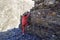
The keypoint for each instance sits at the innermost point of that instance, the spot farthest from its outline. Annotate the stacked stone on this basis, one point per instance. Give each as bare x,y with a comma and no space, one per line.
45,19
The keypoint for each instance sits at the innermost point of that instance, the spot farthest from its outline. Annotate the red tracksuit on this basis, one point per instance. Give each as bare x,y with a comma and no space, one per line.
24,22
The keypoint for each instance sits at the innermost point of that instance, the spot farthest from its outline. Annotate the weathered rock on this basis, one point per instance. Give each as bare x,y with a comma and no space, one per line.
16,34
10,11
45,20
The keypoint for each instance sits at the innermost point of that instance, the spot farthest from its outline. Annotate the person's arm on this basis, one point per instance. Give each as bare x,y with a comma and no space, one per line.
28,14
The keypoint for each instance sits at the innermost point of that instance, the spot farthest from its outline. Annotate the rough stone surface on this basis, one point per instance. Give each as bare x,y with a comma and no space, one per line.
10,11
45,20
16,34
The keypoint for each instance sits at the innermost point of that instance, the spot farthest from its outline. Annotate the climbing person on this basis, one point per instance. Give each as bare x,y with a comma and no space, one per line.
25,21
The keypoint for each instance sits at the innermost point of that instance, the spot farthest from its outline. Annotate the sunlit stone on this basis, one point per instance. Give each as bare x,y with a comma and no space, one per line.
10,11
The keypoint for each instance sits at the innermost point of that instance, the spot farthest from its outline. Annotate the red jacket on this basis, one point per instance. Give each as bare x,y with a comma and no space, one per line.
24,22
